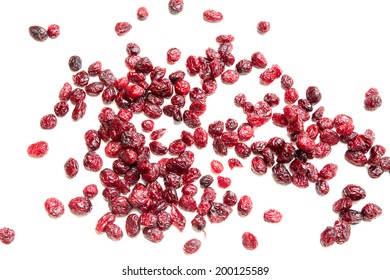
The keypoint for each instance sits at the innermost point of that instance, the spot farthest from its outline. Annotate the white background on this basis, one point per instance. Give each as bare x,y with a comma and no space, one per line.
339,46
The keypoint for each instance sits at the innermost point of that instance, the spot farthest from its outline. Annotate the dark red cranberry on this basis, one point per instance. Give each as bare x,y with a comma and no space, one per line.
92,161
175,6
231,124
48,121
187,203
240,99
354,192
95,68
173,55
191,119
198,222
79,111
272,99
218,212
121,28
351,216
258,165
80,205
75,63
244,67
192,246
215,129
372,100
108,177
286,81
356,157
154,235
90,191
220,147
54,207
313,94
206,181
249,241
263,27
329,171
38,33
164,220
177,147
53,31
120,206
132,225
233,162
272,216
104,221
371,211
281,174
342,231
344,203
71,167
322,187
328,237
244,206
114,232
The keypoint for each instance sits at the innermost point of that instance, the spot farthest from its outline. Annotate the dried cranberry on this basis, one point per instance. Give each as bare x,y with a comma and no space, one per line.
328,237
192,246
38,33
142,13
48,121
281,174
354,192
104,221
206,181
258,60
258,165
263,27
233,162
372,100
178,220
191,119
329,171
223,182
351,216
75,63
71,167
176,147
216,166
198,223
344,203
249,241
38,149
173,55
164,220
342,231
200,138
175,6
7,235
272,216
272,99
90,191
79,111
121,28
80,205
218,212
230,77
114,232
54,207
95,68
290,95
244,67
322,187
371,211
212,16
108,177
53,31
286,81
313,94
92,161
187,203
355,157
154,235
244,206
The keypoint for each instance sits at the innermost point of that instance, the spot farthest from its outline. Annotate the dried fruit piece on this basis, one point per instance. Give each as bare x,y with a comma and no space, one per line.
175,6
372,100
249,241
192,246
223,182
272,216
354,192
216,166
75,63
212,16
218,212
114,232
173,55
351,216
38,33
121,28
38,149
328,237
53,31
342,231
371,211
154,235
244,206
263,27
71,167
7,235
80,205
142,13
54,207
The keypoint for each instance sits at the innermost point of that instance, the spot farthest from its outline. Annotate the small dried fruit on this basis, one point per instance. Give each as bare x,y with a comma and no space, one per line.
192,246
249,241
272,216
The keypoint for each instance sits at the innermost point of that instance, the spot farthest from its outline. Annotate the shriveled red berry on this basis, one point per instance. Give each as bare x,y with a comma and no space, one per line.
322,187
342,231
249,241
175,6
114,232
258,165
75,63
80,205
192,246
198,222
329,171
233,163
372,100
38,33
173,55
354,192
142,13
230,77
328,237
153,234
216,166
71,167
54,207
244,206
244,66
272,216
158,133
212,16
121,28
53,31
259,60
344,203
38,149
313,94
351,216
132,225
48,121
371,211
92,161
90,191
218,212
223,182
7,235
263,27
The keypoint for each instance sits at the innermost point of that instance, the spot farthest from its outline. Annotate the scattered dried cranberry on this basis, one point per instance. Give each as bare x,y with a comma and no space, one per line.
212,16
223,182
351,216
53,31
154,235
344,203
244,206
263,27
75,63
38,33
90,191
372,100
354,192
342,231
249,241
121,28
38,149
192,246
216,166
272,216
218,212
54,207
7,235
329,171
173,55
258,60
80,205
230,77
142,13
328,237
198,222
48,121
71,167
371,211
175,6
114,232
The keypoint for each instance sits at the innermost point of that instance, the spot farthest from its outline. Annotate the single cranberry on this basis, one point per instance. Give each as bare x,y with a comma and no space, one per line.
329,171
313,94
54,207
351,216
94,69
200,138
90,191
38,149
206,181
258,60
173,55
80,205
233,163
230,77
198,223
286,81
142,13
244,67
272,216
328,237
121,28
216,166
371,211
322,187
7,235
92,161
192,246
344,203
223,182
272,99
372,100
71,167
48,121
75,63
53,31
120,206
342,231
175,6
212,16
38,33
249,241
218,212
290,95
263,27
354,192
114,232
79,111
244,206
281,174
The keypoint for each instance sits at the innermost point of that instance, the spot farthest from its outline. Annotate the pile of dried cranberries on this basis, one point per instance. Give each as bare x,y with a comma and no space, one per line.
152,195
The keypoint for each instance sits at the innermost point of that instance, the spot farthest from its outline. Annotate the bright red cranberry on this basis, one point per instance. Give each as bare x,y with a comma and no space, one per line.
38,149
212,16
173,55
258,60
132,225
92,161
244,206
175,6
344,203
216,166
329,171
75,63
233,163
342,231
290,95
53,31
121,28
263,27
322,187
371,211
328,237
142,13
79,111
258,165
7,235
286,81
90,191
200,138
356,158
270,74
372,100
38,33
114,232
187,203
95,68
272,216
104,221
178,220
224,39
198,223
223,182
71,167
54,207
157,134
80,205
218,212
230,77
48,121
192,246
249,241
191,119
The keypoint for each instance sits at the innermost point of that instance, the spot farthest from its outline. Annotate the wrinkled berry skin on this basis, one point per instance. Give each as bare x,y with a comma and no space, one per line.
7,235
328,237
371,211
38,33
80,205
244,206
272,216
192,246
212,16
175,6
249,241
38,149
54,207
